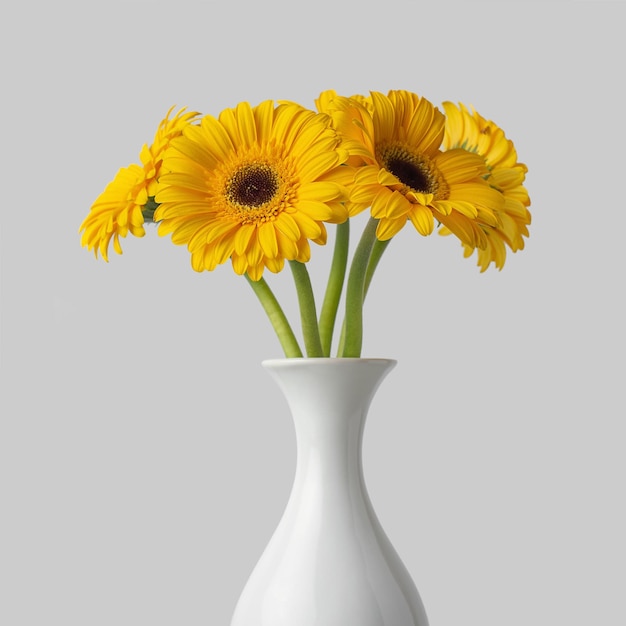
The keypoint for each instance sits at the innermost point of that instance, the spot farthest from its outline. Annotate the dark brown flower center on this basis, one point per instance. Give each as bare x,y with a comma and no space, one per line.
410,174
252,185
411,170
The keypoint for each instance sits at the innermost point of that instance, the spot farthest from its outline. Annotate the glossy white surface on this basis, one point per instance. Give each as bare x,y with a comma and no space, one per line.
329,562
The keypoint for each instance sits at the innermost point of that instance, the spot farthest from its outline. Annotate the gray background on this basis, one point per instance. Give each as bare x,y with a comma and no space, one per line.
145,456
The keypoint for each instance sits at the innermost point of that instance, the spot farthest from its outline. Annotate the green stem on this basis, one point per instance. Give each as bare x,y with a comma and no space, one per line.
352,340
377,252
336,279
342,339
308,314
276,316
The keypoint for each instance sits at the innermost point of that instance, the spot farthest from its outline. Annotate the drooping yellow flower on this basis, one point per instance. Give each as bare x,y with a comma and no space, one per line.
470,131
119,208
253,185
404,175
352,119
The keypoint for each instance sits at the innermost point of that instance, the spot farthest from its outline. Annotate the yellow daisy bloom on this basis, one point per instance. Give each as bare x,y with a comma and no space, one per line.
253,185
119,208
404,174
470,131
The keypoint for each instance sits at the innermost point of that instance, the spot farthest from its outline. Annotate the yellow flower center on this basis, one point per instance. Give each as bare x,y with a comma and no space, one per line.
416,172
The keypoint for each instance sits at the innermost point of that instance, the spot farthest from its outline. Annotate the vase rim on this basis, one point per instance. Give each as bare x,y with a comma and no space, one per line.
281,362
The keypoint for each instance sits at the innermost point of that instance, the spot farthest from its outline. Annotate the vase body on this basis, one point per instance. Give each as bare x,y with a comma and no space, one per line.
329,562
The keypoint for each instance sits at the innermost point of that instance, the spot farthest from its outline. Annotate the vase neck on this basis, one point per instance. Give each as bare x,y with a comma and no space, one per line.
329,400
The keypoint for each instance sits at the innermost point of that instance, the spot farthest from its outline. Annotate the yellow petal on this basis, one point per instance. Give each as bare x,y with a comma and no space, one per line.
218,229
254,253
219,141
317,165
183,232
364,193
426,129
397,206
242,239
116,244
193,145
308,226
247,126
286,225
304,251
379,202
239,263
255,272
386,229
287,247
275,265
288,121
422,218
264,117
229,123
385,177
267,239
223,248
321,191
384,115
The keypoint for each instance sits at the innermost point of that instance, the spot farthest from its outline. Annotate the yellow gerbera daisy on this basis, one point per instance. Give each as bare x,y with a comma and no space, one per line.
119,208
253,185
470,131
404,175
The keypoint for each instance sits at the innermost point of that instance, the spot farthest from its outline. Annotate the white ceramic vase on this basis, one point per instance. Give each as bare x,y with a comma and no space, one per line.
329,562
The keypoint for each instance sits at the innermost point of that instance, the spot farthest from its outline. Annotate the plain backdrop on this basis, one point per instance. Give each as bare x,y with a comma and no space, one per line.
146,456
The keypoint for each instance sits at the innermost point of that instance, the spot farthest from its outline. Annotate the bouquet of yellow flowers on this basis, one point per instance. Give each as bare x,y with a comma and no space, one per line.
257,184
